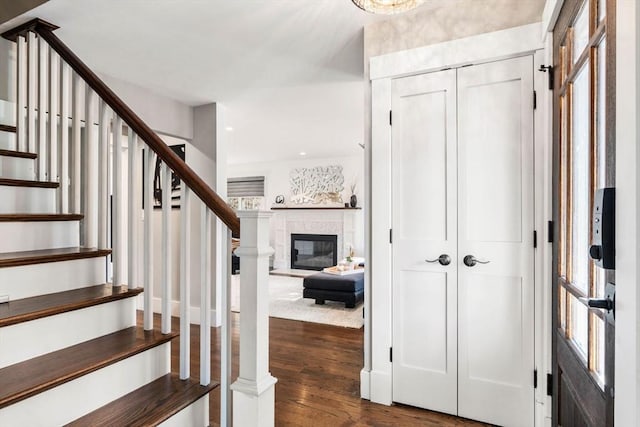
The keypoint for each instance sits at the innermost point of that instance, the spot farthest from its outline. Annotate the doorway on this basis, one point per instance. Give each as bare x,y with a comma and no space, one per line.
463,247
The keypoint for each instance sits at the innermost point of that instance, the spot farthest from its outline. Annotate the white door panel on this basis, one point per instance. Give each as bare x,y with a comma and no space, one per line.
424,224
495,224
462,184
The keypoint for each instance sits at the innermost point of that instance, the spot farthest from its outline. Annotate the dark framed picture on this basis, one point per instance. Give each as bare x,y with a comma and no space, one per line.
157,181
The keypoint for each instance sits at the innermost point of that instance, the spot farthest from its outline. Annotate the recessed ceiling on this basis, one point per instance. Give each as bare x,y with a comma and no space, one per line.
290,72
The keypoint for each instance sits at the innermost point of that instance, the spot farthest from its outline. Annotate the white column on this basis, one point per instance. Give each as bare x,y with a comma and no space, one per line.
254,391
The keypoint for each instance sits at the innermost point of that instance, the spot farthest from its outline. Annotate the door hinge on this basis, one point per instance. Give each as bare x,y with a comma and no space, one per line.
535,100
535,239
549,384
535,378
390,118
550,232
391,235
548,69
390,354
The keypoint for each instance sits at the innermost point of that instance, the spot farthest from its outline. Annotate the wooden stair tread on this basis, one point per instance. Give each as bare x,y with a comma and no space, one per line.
21,154
27,309
39,217
33,376
28,183
8,128
149,405
14,259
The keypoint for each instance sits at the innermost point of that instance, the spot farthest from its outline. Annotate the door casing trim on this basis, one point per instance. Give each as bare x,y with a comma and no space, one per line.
489,47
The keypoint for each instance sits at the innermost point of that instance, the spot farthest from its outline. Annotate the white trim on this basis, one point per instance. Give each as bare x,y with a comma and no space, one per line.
550,15
519,41
486,47
365,383
627,339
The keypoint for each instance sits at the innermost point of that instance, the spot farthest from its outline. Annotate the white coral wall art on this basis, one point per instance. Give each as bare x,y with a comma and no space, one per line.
319,185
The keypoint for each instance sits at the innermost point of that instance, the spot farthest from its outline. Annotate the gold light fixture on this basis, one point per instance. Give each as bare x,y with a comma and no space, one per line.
387,7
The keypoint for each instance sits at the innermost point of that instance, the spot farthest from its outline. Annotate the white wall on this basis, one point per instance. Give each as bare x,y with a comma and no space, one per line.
162,114
276,175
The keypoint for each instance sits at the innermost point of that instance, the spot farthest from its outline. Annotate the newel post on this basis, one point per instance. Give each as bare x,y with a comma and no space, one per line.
254,390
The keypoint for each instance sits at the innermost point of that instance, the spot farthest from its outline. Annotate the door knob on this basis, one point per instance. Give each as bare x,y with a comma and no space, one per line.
470,261
443,259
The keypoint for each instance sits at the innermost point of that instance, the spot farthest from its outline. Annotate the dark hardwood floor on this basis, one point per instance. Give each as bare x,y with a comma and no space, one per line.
318,371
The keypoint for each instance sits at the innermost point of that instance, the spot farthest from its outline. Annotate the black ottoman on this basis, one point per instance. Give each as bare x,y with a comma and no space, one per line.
348,289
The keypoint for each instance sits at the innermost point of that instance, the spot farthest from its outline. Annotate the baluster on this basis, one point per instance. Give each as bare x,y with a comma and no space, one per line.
103,175
76,140
225,338
166,249
32,91
65,92
22,76
43,152
54,100
116,242
90,169
205,297
133,209
149,174
185,279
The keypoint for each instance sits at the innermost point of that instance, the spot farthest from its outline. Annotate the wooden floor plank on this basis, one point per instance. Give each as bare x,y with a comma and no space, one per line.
13,259
318,371
25,379
27,309
149,405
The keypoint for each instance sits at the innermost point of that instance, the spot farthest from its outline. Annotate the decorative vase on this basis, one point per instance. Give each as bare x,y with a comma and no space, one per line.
353,201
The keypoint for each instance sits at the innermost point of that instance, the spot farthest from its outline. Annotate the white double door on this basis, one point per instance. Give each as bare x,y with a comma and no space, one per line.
462,171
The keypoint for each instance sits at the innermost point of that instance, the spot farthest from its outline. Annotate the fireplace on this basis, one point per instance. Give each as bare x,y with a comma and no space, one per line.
313,251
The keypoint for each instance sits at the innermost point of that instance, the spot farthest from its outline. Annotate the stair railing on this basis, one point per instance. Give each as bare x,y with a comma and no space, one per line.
55,86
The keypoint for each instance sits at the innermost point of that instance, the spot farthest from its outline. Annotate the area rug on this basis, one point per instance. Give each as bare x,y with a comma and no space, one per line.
286,302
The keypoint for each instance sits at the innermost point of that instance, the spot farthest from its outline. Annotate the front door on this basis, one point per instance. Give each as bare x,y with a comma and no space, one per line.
584,147
462,173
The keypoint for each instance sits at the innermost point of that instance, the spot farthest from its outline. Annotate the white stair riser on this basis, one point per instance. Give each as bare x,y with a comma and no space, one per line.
76,398
7,141
194,415
17,167
31,339
27,200
31,236
38,279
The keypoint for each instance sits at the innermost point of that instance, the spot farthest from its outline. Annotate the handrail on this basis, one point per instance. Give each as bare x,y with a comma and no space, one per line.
179,167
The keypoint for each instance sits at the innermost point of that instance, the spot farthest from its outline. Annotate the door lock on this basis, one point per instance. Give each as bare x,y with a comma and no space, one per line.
443,259
470,261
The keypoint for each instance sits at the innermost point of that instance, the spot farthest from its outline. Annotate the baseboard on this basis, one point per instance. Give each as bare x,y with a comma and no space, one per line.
365,384
381,388
194,312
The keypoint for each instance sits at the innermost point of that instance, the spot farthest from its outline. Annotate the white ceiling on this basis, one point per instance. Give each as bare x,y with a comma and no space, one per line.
290,72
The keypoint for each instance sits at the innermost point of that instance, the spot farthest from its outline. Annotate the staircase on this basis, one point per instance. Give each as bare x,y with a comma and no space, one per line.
71,350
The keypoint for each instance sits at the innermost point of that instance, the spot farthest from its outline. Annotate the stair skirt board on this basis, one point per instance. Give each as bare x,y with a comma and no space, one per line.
78,397
28,236
38,279
17,167
27,199
35,338
194,415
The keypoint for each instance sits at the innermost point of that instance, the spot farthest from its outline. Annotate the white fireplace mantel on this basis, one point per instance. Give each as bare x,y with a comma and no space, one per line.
347,224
